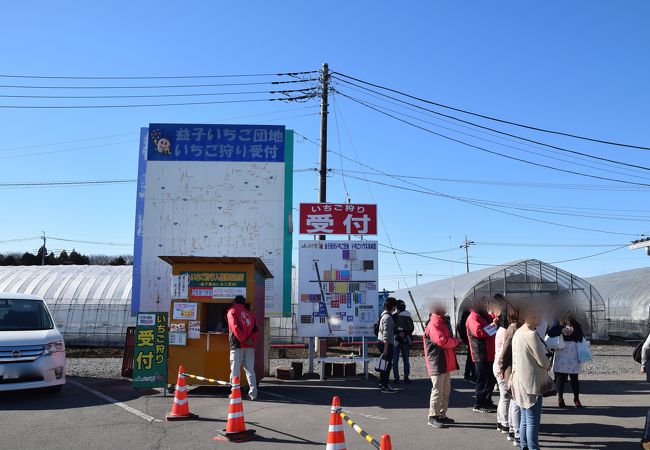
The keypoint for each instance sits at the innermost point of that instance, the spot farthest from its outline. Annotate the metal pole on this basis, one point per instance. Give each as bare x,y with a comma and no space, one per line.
43,256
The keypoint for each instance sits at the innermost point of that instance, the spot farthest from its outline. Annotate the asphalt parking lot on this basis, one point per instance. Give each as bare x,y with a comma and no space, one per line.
108,414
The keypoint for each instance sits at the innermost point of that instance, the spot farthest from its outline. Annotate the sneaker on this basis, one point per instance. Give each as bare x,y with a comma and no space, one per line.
396,381
387,390
447,420
561,404
435,423
253,397
481,410
407,380
578,404
510,436
502,428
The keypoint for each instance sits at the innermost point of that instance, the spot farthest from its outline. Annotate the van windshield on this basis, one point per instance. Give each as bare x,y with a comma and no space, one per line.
17,315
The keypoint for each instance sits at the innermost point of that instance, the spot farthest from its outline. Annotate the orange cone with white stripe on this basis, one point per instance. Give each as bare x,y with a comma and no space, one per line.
181,406
236,425
335,435
386,443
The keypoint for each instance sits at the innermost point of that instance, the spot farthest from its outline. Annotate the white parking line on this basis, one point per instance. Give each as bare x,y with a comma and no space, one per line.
109,399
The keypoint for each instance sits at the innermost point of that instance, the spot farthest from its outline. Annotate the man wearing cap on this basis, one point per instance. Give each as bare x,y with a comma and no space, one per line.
243,332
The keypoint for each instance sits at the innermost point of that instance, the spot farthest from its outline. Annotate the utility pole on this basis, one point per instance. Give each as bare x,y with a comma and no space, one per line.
417,275
43,255
322,192
322,187
466,245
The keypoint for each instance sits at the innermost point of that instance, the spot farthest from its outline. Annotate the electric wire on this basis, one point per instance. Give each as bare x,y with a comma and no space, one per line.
149,105
156,86
543,130
492,151
596,187
584,156
196,94
155,77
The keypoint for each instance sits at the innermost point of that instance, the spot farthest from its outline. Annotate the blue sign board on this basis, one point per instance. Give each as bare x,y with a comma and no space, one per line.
201,142
139,222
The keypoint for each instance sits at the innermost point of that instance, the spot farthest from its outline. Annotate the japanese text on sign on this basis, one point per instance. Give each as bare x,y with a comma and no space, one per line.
188,142
150,352
344,218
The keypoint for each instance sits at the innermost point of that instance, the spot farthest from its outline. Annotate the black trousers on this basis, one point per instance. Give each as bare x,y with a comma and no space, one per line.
470,371
385,375
560,381
485,382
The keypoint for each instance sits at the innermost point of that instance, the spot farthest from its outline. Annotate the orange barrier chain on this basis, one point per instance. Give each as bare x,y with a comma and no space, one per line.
209,380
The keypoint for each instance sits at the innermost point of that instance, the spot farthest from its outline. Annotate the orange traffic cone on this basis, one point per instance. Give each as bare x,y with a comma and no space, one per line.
385,443
335,435
181,406
236,425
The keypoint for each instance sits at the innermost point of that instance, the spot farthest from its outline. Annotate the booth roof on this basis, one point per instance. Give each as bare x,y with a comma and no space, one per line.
257,262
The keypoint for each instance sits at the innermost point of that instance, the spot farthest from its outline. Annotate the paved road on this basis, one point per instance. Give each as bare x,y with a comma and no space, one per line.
294,415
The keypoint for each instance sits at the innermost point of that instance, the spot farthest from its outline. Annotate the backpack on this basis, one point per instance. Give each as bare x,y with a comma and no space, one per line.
375,328
636,354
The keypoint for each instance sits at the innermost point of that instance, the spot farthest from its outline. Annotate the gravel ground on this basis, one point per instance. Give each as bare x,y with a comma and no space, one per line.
608,360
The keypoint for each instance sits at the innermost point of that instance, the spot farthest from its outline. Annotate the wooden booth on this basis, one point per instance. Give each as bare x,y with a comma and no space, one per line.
203,289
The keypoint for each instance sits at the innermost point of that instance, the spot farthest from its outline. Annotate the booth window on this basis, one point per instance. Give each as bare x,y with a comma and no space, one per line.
214,317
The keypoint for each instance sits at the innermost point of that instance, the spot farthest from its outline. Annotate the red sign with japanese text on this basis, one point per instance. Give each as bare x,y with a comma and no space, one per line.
338,218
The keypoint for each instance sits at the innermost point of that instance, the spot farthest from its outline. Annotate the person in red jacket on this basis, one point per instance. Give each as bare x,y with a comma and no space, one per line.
481,346
440,357
243,332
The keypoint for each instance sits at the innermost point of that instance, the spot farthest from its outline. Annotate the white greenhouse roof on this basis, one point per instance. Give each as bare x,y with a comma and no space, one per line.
70,284
627,293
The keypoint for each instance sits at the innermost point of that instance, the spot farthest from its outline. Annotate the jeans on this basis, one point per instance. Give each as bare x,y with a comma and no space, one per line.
485,382
404,348
503,408
514,414
529,426
245,357
385,375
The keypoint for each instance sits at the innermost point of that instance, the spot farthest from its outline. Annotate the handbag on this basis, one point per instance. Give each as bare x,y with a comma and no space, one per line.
555,342
548,388
584,351
380,364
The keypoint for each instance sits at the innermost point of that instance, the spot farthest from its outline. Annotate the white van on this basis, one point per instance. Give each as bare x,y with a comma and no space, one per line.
32,351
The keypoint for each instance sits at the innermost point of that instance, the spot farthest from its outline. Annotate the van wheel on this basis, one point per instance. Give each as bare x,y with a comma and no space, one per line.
54,389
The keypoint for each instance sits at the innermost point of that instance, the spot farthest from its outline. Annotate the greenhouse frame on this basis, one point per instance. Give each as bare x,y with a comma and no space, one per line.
527,283
91,305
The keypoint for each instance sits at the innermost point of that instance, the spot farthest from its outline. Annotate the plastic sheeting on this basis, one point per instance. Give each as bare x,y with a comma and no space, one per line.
91,305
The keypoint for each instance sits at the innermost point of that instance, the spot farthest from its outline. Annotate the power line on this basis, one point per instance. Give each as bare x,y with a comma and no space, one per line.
582,156
117,244
543,130
49,144
152,105
28,184
66,150
156,86
198,94
596,187
58,77
491,151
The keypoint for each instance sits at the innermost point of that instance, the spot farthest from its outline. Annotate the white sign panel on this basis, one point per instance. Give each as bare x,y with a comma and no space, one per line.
214,208
184,311
228,292
337,288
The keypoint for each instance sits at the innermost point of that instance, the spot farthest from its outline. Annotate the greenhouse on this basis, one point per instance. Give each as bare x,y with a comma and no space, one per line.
91,305
627,300
525,284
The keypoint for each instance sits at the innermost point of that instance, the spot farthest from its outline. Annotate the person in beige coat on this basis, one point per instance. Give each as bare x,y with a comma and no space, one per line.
530,367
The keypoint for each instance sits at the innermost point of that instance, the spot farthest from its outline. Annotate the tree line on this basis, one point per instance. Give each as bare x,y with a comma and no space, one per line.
64,258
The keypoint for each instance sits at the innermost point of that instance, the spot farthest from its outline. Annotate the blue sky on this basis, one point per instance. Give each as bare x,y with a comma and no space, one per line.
580,67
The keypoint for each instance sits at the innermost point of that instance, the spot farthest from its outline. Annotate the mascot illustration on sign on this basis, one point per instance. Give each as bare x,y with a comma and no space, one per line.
163,144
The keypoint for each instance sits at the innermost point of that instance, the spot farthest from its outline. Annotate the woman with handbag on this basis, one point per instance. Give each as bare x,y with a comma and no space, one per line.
529,375
565,361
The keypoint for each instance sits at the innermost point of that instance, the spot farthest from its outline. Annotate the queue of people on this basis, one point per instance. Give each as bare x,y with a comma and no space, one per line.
507,349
